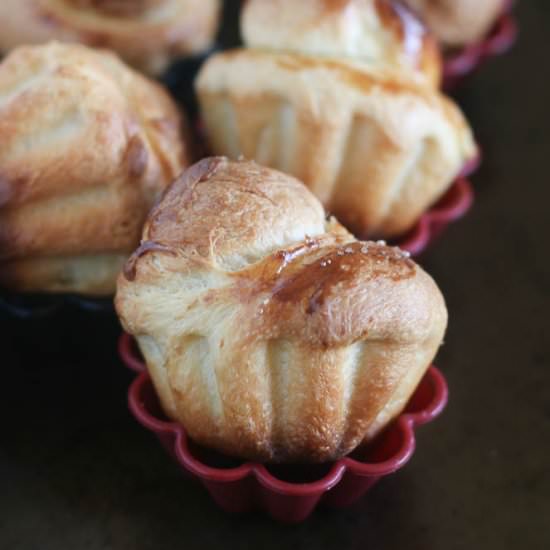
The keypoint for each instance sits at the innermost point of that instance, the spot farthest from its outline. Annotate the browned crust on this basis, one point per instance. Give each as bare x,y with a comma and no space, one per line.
396,37
87,146
271,333
148,34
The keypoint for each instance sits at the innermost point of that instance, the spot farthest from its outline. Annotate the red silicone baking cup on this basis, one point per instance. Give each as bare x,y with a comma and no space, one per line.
286,493
499,40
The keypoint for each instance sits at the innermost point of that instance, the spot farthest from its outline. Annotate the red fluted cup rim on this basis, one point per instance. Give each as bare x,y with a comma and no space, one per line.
428,401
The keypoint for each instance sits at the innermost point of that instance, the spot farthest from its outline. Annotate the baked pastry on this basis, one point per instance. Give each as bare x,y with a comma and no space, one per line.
380,32
270,332
457,23
375,141
87,146
148,34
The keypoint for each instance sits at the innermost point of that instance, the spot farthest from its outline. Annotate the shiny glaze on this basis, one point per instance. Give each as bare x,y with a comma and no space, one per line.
418,45
313,271
315,282
408,29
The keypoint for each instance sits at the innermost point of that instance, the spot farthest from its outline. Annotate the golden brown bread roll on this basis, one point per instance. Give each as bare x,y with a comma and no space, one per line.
376,31
375,141
458,22
87,145
270,332
148,34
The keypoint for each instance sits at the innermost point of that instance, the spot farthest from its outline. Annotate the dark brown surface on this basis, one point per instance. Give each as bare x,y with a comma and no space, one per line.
76,472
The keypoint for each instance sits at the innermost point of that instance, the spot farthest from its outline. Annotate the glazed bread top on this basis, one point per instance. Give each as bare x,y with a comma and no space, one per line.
274,256
269,331
458,22
373,31
79,128
148,34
